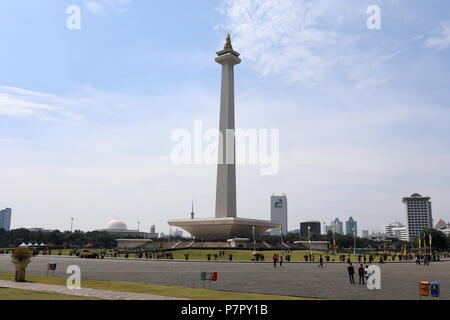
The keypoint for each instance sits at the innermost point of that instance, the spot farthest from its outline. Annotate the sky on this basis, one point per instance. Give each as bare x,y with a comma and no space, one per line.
87,115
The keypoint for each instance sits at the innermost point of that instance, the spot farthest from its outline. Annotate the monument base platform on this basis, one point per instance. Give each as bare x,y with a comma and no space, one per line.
222,229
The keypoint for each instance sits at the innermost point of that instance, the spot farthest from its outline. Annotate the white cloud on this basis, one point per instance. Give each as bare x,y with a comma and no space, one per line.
103,6
20,102
441,38
299,39
313,42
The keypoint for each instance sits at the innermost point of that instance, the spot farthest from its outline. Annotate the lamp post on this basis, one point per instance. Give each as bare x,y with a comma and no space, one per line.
71,232
354,241
334,239
254,240
309,240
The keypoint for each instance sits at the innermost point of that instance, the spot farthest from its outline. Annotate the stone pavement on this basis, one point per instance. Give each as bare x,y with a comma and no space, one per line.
399,281
84,292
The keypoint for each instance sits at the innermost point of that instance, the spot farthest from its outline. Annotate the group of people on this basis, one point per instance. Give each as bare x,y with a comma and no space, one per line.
364,273
277,258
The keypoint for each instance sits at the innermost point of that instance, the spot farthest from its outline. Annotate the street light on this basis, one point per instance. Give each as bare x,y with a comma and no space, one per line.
71,232
354,241
309,240
254,240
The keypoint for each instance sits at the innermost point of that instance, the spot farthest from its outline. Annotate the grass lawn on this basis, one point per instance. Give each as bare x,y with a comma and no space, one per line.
160,290
17,294
238,255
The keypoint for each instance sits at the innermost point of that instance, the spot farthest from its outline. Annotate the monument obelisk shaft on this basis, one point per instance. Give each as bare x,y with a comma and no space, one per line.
226,167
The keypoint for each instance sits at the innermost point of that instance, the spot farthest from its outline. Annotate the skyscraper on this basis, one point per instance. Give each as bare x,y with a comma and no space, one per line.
351,224
5,219
278,213
314,228
418,215
336,226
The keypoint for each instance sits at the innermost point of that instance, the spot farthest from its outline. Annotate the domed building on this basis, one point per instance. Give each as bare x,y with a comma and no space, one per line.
118,227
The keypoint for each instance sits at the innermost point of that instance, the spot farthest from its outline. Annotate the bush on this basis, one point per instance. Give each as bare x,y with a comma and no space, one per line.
21,254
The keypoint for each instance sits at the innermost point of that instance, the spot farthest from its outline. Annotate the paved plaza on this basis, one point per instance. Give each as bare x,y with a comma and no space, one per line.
398,280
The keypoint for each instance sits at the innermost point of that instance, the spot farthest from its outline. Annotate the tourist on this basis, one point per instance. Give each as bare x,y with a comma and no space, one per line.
321,262
351,273
361,273
367,272
275,259
281,261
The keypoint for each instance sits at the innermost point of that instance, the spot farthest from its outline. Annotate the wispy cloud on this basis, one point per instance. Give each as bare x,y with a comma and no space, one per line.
21,102
313,42
441,38
103,6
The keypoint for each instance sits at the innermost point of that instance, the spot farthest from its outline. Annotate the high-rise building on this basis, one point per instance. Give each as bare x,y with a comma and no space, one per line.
313,225
418,215
365,234
351,227
337,225
278,213
5,219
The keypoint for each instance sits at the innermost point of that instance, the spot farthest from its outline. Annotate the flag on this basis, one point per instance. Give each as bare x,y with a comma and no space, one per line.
430,239
420,242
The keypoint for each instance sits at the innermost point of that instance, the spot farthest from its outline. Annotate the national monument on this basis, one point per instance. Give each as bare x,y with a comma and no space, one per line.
226,225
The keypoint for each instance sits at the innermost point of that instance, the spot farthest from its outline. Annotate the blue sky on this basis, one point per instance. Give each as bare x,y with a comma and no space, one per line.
86,115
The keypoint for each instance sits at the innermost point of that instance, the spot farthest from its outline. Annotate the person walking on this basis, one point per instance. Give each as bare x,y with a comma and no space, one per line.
275,258
361,274
351,273
281,261
321,262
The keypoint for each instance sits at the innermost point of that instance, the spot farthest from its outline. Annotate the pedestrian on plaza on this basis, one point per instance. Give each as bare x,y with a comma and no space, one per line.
321,262
275,258
351,273
361,273
367,272
281,261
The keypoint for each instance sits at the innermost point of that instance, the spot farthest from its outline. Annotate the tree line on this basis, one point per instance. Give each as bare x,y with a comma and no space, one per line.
439,240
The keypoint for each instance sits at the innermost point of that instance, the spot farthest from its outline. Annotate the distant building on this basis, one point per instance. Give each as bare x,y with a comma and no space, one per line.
388,228
418,215
442,225
380,236
365,234
5,219
351,227
314,225
118,227
177,234
278,213
40,230
337,225
399,233
396,230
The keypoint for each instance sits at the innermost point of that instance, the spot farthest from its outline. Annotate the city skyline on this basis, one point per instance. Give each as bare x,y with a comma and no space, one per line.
86,124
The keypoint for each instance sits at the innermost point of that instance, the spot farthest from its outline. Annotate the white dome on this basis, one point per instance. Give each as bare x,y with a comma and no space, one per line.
116,224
